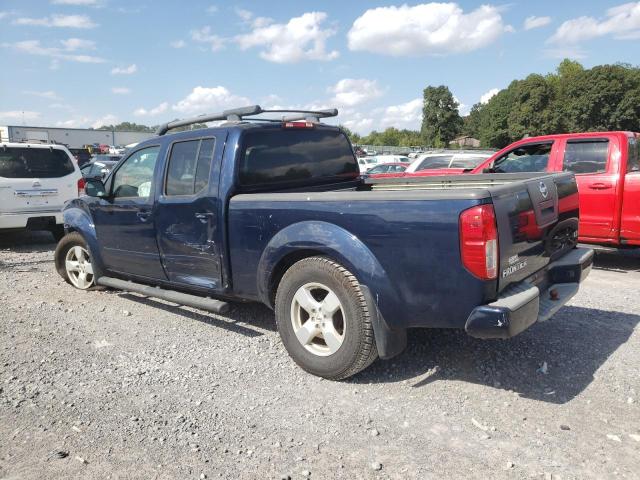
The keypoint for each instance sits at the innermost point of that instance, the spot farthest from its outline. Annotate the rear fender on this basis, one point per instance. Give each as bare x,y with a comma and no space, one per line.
336,243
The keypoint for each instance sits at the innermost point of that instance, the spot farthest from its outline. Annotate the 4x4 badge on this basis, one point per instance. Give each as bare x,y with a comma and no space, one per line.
543,189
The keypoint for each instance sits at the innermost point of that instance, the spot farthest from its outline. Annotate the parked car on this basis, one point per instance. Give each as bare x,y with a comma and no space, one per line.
276,212
607,170
446,163
386,170
98,169
36,180
366,163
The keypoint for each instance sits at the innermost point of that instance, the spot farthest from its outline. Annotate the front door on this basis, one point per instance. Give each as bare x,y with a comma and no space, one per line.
188,229
597,179
125,222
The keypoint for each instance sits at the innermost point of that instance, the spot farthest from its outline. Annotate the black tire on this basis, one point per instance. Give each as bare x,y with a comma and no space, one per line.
73,239
358,349
57,232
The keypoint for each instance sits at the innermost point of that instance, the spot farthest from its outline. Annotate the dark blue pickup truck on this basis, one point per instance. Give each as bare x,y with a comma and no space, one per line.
274,211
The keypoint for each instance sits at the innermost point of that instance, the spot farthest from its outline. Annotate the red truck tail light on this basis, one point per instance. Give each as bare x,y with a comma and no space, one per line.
81,184
479,241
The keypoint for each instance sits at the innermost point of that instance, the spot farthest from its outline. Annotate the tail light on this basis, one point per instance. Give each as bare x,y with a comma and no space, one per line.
479,241
298,125
81,184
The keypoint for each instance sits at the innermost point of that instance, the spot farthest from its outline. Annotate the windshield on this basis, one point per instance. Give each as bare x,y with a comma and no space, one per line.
24,162
295,155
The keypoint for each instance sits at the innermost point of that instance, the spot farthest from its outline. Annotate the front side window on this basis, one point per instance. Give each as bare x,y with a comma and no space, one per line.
25,162
633,163
134,177
379,169
439,161
586,156
527,158
189,166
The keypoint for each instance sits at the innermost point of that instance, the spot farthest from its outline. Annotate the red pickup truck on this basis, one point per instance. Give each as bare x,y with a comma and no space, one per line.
607,170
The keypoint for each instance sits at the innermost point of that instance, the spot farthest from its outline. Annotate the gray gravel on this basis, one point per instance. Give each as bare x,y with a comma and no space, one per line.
87,391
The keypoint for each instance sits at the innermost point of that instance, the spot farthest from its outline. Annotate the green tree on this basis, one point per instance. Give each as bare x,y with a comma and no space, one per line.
441,120
127,127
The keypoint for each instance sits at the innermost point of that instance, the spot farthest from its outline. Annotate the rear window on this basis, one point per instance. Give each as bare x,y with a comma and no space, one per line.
294,156
586,156
23,162
467,162
441,161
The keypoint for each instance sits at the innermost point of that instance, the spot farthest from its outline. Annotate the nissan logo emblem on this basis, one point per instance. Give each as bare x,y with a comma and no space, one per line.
543,189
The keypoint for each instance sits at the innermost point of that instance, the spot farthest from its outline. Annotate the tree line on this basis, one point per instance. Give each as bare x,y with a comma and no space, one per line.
572,99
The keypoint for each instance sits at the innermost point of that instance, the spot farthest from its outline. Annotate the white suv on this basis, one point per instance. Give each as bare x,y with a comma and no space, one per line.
35,182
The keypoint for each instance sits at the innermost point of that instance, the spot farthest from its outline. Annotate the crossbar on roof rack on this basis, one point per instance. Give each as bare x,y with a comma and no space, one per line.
237,115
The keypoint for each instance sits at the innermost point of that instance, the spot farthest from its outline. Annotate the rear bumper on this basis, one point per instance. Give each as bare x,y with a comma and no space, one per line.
524,304
21,220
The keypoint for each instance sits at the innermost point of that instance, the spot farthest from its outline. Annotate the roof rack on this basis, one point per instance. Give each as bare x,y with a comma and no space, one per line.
238,114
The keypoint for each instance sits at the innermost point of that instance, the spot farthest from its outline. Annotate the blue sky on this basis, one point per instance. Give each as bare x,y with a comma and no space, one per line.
81,63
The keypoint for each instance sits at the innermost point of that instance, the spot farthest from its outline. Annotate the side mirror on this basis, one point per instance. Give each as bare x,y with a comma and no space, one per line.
95,188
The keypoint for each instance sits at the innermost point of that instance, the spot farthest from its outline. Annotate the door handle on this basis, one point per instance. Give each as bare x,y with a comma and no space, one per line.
143,215
599,186
204,216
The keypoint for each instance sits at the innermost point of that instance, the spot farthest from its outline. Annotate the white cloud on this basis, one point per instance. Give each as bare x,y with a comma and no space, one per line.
82,3
3,14
178,44
204,35
622,22
61,21
73,44
245,15
404,115
354,91
143,112
121,90
425,29
536,22
573,52
49,94
75,122
34,47
130,70
108,119
484,98
212,9
19,116
302,38
209,100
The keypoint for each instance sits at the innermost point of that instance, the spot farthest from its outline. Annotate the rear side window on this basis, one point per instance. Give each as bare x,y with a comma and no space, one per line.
586,156
527,158
295,155
441,161
633,164
189,166
25,162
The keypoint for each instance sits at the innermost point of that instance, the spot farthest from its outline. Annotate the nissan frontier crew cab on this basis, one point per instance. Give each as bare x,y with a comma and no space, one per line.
273,210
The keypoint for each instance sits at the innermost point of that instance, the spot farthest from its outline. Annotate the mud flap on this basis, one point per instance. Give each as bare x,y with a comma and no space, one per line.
390,342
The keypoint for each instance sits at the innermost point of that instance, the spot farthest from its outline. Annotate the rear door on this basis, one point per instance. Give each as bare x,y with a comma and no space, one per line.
630,225
36,179
595,162
188,228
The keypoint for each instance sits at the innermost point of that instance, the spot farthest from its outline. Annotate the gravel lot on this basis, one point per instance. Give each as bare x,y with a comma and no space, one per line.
124,386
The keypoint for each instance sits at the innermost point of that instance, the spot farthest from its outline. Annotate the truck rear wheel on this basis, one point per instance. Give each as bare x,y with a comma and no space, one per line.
73,261
323,319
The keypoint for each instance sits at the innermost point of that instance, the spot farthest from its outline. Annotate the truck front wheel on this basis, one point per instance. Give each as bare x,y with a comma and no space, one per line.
323,319
73,261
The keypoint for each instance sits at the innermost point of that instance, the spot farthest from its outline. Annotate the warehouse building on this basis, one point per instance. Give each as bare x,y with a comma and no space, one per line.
73,138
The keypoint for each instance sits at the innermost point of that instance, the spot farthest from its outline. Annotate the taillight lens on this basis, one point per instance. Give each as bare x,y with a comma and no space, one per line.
298,125
479,241
81,184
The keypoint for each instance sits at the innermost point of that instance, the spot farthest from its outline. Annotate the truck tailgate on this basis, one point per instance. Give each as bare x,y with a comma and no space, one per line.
537,223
